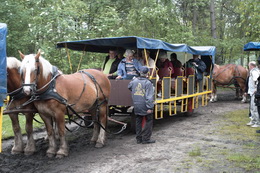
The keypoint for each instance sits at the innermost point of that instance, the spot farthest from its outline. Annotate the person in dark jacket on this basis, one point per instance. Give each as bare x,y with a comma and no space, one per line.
110,64
198,65
142,91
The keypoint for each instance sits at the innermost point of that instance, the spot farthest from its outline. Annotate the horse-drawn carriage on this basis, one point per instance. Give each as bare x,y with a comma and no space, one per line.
177,96
3,79
53,94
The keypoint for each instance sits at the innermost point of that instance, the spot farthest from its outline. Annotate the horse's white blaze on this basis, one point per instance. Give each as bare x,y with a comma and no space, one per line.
27,80
28,66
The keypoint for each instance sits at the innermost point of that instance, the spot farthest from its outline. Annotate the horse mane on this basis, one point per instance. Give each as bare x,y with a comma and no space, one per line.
13,62
29,60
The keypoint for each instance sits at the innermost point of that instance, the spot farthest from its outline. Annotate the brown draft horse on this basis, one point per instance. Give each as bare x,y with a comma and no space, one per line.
79,91
229,74
14,86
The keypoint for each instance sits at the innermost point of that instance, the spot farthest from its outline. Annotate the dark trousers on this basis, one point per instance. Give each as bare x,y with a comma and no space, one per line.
145,133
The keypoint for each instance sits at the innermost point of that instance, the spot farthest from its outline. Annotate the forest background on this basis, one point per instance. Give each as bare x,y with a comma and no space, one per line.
40,24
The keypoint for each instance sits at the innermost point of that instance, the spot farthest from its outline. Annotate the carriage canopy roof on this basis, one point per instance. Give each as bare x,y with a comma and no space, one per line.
103,45
3,77
252,46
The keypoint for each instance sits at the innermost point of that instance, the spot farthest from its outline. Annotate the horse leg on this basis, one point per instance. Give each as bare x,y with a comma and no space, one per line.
63,149
30,145
103,121
237,92
51,135
18,139
213,94
96,129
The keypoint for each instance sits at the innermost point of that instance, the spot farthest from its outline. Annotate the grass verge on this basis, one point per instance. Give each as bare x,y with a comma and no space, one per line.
7,129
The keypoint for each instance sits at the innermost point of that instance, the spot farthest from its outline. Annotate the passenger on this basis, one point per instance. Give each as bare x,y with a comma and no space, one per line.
165,70
150,63
128,67
164,66
110,65
177,66
198,65
120,54
142,91
254,73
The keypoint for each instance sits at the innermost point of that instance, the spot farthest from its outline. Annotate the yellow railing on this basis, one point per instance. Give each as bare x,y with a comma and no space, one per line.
184,98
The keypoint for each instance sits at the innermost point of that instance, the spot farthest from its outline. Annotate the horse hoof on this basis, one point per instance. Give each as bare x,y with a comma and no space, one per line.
15,152
61,153
92,142
99,145
28,153
50,155
59,156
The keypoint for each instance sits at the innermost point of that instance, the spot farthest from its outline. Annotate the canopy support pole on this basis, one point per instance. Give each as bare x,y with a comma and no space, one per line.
83,54
146,58
157,54
68,54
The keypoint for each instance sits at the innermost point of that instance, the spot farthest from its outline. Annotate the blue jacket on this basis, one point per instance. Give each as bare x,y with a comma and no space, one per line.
121,70
142,91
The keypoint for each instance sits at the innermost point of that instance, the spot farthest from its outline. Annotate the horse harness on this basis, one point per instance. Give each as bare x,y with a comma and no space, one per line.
51,93
232,79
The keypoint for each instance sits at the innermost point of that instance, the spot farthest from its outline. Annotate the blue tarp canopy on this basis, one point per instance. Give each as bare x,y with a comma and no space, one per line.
252,46
202,50
103,45
3,76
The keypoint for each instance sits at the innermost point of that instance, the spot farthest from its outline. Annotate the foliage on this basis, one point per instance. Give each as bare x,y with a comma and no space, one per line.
40,24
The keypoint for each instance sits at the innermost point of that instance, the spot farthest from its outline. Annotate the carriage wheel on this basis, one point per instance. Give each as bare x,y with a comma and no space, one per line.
88,121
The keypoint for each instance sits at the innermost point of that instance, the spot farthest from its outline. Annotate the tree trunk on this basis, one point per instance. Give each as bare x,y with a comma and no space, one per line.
195,19
213,19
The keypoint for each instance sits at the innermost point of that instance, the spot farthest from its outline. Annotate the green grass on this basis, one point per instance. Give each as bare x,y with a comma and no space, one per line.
245,161
231,127
7,130
234,126
195,152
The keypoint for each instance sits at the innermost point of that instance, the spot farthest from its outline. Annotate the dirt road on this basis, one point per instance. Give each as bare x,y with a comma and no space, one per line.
183,144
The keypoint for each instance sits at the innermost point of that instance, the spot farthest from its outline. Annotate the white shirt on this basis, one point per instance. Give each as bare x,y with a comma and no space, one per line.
252,82
151,63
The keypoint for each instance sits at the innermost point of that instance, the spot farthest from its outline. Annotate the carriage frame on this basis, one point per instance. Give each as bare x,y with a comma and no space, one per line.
183,98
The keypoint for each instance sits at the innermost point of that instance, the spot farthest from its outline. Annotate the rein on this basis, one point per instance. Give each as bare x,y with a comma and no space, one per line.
231,80
97,106
37,94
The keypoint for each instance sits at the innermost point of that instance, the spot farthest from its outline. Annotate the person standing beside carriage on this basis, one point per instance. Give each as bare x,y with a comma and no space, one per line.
142,91
254,74
110,64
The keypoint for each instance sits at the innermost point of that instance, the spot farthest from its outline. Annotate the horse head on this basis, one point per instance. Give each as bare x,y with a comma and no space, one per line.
35,72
